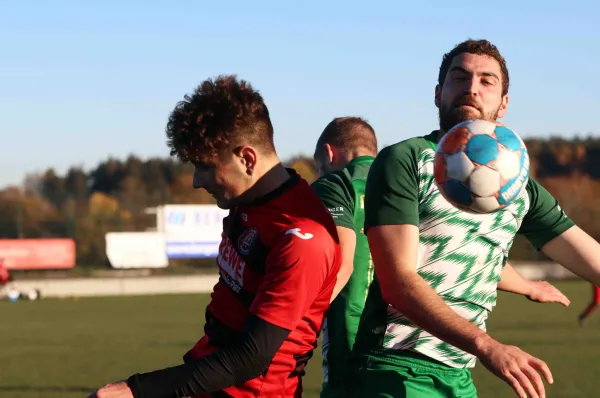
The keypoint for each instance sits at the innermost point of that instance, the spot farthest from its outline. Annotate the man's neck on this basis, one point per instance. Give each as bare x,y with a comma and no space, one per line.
348,157
439,135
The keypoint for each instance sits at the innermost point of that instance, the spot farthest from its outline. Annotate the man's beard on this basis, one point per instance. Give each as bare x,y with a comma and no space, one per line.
452,115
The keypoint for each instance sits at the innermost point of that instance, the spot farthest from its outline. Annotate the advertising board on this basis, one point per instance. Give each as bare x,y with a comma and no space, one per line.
136,250
192,231
29,254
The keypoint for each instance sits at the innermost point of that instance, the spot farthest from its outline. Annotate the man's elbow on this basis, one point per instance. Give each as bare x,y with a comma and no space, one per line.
393,298
397,291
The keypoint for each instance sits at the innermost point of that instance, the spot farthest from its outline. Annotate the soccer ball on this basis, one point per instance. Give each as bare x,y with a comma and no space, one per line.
481,166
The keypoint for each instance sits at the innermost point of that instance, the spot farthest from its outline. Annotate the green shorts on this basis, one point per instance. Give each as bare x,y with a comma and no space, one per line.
407,375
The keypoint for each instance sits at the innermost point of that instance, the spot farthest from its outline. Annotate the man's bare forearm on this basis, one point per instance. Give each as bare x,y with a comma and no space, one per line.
513,282
577,251
422,305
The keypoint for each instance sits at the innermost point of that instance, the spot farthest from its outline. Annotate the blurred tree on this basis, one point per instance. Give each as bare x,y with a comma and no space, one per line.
107,177
103,215
304,166
76,183
28,216
53,188
182,192
114,195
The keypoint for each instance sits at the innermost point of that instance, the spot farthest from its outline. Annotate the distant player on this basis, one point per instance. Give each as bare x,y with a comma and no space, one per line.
344,153
278,259
4,274
437,268
592,306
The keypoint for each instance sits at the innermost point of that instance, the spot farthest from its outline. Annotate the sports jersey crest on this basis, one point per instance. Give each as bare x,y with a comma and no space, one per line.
247,240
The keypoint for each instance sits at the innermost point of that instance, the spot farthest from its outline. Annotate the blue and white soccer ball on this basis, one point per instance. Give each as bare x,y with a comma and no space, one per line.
481,166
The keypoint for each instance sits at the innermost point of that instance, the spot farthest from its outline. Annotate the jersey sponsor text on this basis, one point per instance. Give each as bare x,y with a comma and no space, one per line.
232,264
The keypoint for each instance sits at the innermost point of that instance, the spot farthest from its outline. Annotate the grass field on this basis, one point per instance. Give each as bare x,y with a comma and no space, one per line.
66,348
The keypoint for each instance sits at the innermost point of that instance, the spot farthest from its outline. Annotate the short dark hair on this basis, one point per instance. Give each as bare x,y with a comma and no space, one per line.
348,133
221,114
477,47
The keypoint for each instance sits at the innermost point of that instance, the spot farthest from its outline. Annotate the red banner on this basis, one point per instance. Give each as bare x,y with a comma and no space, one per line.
37,253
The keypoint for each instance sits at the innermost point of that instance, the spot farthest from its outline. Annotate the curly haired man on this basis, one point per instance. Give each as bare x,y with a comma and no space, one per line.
278,259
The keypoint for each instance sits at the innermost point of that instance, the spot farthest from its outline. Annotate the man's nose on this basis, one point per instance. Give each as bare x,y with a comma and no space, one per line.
472,85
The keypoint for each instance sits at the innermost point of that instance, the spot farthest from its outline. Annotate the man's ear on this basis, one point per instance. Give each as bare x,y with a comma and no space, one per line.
438,96
503,107
330,153
247,157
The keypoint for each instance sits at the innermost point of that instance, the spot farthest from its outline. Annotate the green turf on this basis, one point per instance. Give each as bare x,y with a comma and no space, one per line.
65,348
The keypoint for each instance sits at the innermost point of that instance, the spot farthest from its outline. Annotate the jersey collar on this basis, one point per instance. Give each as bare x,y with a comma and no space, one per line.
287,185
361,160
433,138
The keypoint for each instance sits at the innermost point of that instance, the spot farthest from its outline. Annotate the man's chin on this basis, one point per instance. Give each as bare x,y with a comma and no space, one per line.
468,113
223,205
465,114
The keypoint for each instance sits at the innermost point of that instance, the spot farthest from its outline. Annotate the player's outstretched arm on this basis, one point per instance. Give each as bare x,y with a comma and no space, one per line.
550,230
577,251
541,291
241,361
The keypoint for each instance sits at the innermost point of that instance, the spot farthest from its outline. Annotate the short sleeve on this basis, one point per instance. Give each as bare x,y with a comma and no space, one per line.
545,220
298,267
337,197
392,191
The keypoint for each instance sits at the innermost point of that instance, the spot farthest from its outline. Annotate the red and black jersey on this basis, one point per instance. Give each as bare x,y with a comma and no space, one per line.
278,259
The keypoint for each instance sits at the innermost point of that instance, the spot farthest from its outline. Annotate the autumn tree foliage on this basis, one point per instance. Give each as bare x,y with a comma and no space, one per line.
114,196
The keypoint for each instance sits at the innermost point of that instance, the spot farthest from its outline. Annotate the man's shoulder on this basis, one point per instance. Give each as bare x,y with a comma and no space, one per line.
335,177
337,192
308,237
304,208
342,180
413,146
404,156
297,234
336,181
306,229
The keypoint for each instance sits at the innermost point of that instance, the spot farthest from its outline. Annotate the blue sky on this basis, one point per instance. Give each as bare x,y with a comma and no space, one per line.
80,82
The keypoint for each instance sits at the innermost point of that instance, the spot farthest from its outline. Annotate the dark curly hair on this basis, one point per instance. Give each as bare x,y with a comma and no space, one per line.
220,115
477,47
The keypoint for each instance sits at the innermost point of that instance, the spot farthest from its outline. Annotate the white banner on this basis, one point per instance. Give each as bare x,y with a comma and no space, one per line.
136,250
191,231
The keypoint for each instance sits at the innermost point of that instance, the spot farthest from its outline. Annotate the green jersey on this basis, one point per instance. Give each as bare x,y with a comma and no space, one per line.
343,193
461,255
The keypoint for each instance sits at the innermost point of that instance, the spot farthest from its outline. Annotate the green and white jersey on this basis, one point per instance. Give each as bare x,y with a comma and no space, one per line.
343,193
461,255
